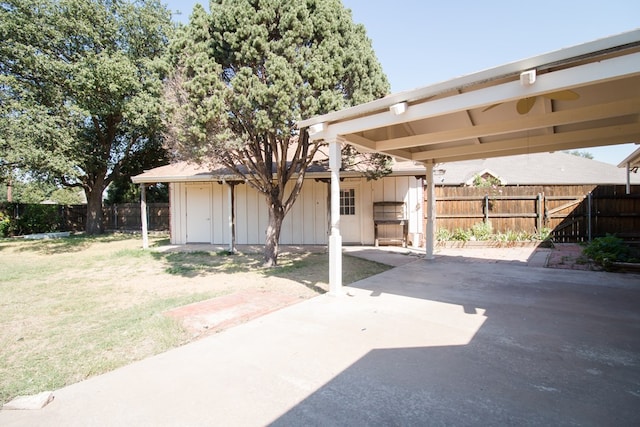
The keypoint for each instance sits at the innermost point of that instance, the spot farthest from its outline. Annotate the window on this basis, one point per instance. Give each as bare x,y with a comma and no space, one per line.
348,202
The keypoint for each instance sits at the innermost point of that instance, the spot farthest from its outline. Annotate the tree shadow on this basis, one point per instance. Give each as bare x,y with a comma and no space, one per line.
309,268
69,244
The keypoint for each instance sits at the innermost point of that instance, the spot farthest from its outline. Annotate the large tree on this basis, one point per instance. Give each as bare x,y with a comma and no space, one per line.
248,71
80,89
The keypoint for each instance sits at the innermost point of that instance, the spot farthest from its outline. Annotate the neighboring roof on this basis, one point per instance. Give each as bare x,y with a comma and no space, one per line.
191,172
536,169
633,160
582,96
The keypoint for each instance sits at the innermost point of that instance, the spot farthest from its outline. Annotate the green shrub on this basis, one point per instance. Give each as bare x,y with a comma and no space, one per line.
5,225
443,235
607,250
544,234
37,219
461,235
482,230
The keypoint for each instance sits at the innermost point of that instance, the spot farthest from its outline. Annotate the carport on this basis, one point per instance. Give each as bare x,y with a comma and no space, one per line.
582,96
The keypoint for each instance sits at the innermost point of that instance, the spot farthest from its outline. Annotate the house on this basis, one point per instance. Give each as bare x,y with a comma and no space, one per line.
555,169
574,197
200,205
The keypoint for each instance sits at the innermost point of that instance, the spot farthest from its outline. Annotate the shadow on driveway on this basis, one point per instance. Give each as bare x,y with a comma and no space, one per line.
554,348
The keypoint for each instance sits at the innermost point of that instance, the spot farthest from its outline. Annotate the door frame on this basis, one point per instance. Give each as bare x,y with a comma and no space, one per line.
357,187
207,187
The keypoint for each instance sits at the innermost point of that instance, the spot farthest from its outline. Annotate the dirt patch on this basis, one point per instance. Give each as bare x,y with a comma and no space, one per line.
568,256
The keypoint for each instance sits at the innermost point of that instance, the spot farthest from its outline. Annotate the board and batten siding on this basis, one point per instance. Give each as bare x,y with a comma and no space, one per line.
305,224
405,189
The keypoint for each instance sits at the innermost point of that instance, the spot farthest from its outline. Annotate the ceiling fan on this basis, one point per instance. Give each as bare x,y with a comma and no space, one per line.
524,105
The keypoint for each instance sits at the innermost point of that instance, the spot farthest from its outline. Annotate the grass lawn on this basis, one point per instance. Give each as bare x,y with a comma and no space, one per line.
80,306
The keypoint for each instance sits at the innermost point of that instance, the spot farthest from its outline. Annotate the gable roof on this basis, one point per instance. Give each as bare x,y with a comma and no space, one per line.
536,169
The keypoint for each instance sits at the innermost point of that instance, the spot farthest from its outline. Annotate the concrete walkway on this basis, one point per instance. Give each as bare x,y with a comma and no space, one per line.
444,342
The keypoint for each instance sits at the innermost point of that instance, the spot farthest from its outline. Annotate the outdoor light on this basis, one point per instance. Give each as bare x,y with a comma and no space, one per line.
528,78
398,108
317,128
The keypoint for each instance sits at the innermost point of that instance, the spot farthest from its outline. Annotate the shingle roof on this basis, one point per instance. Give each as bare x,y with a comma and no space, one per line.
526,169
536,169
192,172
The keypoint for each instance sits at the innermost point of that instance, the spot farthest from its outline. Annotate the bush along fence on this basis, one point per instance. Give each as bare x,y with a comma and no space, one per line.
20,219
569,213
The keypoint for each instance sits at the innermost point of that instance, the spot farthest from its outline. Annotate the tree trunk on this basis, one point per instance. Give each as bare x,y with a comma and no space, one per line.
276,216
94,223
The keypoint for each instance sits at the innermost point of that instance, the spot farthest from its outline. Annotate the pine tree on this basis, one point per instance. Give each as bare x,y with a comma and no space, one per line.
248,71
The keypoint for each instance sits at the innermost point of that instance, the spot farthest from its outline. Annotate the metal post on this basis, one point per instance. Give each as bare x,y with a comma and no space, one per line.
539,213
589,217
486,208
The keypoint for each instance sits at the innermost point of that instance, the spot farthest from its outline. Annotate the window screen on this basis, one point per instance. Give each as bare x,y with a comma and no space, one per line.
348,202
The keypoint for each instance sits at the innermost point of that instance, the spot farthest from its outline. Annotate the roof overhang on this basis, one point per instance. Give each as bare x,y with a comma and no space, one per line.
583,96
192,172
632,161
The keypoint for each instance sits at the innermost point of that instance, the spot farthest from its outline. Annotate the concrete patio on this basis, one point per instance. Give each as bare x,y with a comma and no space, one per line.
444,342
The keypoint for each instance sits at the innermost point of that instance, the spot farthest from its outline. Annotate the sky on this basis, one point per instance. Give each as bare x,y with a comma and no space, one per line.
423,42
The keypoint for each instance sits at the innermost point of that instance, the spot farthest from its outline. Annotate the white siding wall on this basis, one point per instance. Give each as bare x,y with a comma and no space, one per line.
306,223
405,189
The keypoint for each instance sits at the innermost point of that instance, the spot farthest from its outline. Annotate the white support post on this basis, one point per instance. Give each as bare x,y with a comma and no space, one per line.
431,213
143,216
628,188
232,219
335,239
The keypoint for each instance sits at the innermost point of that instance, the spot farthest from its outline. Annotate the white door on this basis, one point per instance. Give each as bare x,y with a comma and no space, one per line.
198,214
350,226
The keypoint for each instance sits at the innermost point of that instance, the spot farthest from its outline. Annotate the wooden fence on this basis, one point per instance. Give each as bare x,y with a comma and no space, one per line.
123,217
574,212
127,216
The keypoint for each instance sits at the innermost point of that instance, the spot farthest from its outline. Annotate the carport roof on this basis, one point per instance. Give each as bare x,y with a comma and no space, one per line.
582,96
632,161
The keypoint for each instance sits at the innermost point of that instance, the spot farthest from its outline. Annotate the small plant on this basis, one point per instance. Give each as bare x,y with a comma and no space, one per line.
482,230
607,250
443,235
543,234
461,235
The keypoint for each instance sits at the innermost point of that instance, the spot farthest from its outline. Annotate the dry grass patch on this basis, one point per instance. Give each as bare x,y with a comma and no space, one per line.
81,306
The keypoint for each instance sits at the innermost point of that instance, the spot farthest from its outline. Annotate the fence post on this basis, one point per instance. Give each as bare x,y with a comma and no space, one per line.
539,212
589,217
486,208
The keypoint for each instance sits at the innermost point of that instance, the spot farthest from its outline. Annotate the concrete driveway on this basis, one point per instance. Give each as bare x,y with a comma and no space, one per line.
439,342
